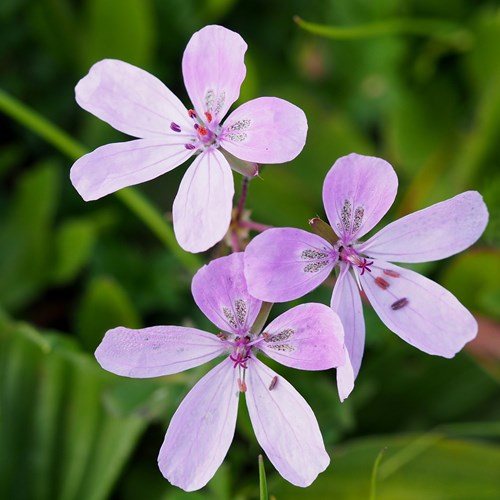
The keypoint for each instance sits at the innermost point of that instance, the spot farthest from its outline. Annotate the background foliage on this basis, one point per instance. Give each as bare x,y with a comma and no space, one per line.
415,82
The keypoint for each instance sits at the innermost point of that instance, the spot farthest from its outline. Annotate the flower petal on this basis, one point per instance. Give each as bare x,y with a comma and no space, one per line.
308,337
433,233
130,100
419,310
283,264
346,301
214,69
202,207
220,291
115,166
357,192
265,130
156,351
201,430
285,425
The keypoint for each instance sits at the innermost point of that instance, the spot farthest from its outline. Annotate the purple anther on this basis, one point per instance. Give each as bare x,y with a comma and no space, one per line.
189,146
175,127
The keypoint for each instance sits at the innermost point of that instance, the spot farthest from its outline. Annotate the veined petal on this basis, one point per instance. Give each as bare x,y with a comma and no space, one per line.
220,291
285,425
265,130
357,192
156,351
201,430
202,207
130,100
419,310
214,69
433,233
346,301
283,264
115,166
308,337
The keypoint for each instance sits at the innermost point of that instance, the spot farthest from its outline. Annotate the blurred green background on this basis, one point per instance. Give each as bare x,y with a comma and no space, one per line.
416,82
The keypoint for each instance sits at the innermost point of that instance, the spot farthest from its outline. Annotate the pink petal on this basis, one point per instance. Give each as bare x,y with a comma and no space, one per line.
214,69
115,166
433,233
308,337
265,130
357,192
346,301
419,310
220,291
201,430
202,207
130,100
285,426
156,351
283,264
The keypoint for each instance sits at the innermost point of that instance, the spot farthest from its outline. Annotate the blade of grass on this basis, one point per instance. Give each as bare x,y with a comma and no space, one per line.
130,197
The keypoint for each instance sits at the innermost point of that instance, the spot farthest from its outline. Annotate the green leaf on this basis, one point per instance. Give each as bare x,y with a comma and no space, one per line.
54,428
25,249
104,305
428,466
74,243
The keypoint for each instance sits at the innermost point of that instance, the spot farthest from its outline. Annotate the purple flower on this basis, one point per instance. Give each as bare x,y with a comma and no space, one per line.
309,337
284,264
264,130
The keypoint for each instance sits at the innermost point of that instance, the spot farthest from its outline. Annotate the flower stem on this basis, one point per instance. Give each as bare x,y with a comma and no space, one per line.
255,226
130,197
243,199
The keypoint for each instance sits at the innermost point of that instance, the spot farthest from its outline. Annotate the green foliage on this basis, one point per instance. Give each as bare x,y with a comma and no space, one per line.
55,428
416,82
412,468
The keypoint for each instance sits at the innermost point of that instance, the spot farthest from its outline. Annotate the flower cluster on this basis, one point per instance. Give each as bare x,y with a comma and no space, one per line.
236,292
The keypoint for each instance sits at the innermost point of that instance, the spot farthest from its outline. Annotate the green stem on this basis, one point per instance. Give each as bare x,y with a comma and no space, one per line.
451,33
130,197
373,490
262,480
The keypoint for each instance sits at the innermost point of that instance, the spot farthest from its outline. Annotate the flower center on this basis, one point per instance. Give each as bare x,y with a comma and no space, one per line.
241,351
348,254
204,134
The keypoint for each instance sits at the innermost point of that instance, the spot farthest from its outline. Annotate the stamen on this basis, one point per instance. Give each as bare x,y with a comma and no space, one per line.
208,116
175,127
189,146
222,336
192,113
201,130
364,265
381,283
399,304
391,273
273,383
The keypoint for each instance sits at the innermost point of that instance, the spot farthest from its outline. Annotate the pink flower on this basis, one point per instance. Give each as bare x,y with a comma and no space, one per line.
308,337
264,130
284,264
